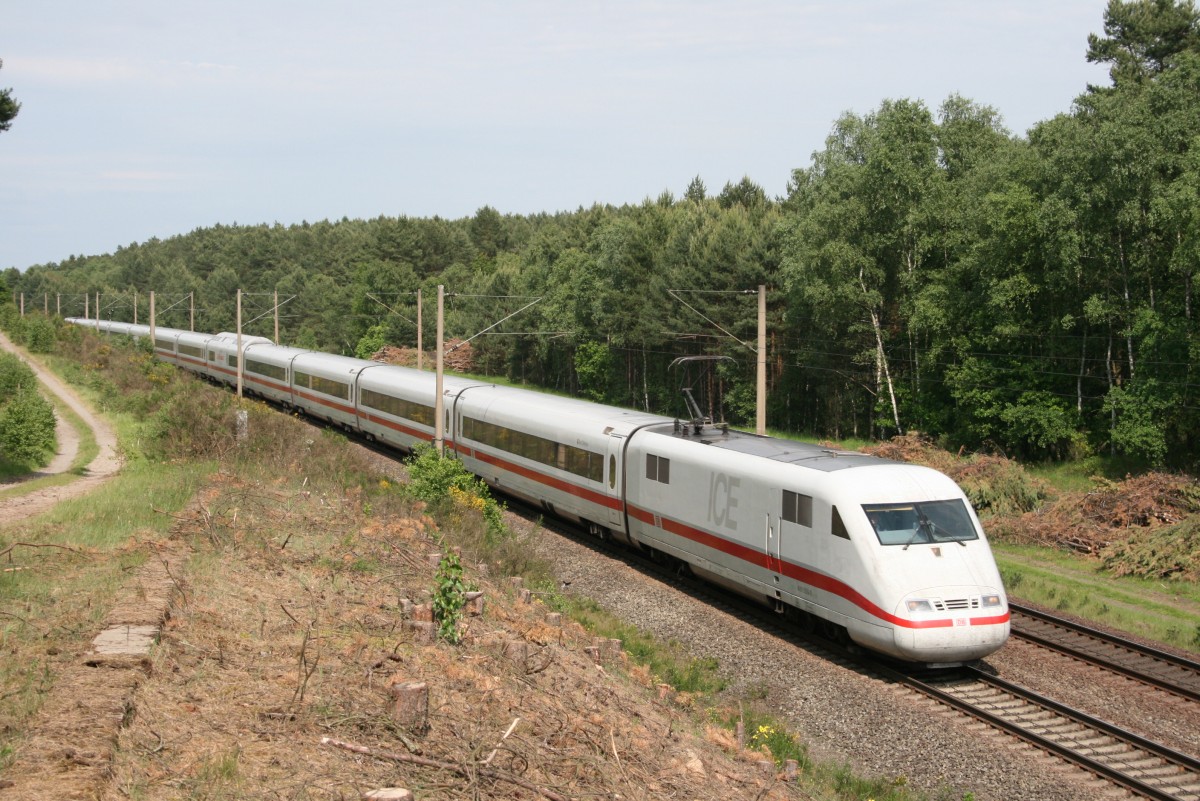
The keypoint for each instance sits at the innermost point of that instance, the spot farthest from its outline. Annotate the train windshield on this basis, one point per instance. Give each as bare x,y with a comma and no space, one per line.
924,522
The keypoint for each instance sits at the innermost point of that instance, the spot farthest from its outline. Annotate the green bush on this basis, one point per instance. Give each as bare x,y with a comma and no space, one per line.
14,374
371,342
27,428
40,333
432,477
449,598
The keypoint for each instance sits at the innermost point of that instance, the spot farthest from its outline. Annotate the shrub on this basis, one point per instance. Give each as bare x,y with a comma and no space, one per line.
437,480
449,598
465,504
27,428
371,342
40,333
14,374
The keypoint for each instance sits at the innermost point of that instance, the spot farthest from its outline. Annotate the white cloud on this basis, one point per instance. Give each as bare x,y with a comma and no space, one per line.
70,71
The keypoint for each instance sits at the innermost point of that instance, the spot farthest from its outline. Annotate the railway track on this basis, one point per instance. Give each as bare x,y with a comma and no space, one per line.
1151,666
1141,766
1121,757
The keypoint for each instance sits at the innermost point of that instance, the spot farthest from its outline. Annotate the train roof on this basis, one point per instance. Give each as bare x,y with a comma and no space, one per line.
803,454
545,406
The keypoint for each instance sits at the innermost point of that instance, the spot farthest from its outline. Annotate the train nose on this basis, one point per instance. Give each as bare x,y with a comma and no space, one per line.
951,624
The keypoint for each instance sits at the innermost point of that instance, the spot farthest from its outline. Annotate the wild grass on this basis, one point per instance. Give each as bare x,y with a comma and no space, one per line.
1166,611
669,662
61,572
1080,475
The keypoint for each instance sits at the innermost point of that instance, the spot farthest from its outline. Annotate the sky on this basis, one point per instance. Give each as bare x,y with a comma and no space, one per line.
143,119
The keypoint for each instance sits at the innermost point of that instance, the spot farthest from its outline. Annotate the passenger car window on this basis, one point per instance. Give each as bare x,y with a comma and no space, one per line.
797,508
658,468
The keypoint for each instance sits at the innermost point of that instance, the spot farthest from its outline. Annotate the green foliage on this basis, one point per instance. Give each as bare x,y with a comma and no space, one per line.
436,480
1137,430
371,342
14,374
765,733
449,598
1041,425
1142,37
9,107
27,428
27,424
39,334
1032,295
465,504
593,361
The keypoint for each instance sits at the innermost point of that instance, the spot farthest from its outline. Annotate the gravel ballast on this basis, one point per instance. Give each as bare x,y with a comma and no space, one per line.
849,717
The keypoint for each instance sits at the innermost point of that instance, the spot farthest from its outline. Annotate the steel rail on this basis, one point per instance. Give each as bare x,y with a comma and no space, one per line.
1189,766
1144,652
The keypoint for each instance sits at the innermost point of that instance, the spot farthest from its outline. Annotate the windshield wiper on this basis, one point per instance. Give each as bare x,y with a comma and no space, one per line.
923,524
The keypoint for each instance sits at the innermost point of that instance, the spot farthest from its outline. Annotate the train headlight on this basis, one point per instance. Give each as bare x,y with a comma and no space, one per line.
991,600
919,605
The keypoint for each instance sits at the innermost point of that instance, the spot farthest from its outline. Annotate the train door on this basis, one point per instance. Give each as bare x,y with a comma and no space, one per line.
614,484
772,536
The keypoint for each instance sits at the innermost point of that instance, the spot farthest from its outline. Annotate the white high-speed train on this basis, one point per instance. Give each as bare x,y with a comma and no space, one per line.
892,553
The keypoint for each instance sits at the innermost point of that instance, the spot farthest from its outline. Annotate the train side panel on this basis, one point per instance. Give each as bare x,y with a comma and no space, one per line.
267,370
396,405
191,351
561,453
324,386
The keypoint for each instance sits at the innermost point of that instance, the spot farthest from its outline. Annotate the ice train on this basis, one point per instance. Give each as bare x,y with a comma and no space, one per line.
891,553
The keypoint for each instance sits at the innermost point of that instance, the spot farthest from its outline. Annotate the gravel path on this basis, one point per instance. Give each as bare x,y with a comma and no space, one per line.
16,507
848,717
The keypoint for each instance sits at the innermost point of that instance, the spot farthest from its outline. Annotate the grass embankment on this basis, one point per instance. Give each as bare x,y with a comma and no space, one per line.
1137,572
1161,610
59,571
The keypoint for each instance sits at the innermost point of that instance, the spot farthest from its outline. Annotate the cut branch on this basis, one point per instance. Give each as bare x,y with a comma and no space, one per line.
453,767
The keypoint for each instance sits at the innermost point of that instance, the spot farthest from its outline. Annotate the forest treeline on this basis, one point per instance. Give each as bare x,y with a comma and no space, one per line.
927,271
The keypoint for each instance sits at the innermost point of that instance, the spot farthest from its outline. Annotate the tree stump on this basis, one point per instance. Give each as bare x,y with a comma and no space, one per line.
614,650
423,612
554,619
517,651
387,794
423,631
474,603
410,705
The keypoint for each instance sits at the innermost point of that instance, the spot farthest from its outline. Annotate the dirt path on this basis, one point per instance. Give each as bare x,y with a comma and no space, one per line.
104,466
